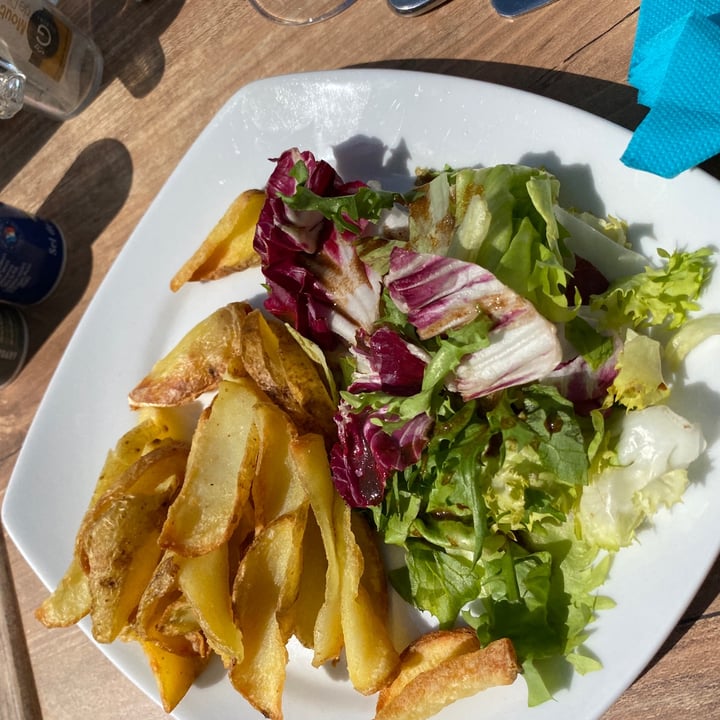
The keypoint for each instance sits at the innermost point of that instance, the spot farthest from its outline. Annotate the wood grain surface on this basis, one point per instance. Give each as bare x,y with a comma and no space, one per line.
169,67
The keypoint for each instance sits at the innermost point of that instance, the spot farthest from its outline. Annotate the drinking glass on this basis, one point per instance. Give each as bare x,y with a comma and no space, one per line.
300,12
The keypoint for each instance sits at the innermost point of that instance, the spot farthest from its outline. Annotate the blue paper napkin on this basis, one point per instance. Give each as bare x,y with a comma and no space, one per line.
675,67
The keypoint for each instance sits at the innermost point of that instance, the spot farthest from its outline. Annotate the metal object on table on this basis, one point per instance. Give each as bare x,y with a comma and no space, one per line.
513,8
414,7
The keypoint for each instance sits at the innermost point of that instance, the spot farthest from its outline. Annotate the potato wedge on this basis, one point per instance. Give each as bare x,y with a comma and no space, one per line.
265,587
302,617
179,620
167,459
173,673
137,441
347,616
459,676
427,652
122,553
311,463
374,577
71,600
220,470
282,368
276,489
229,245
371,657
160,616
210,351
205,582
178,420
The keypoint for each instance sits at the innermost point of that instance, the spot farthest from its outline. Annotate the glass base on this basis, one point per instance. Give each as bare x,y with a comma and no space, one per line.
300,12
12,90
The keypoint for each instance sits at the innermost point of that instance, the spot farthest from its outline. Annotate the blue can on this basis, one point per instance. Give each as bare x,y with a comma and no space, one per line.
32,257
13,343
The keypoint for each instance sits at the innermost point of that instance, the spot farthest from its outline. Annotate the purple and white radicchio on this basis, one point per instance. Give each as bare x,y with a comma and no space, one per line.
386,362
439,294
586,387
366,454
316,281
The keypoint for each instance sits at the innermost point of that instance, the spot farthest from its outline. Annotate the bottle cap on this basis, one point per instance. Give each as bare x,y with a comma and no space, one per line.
12,90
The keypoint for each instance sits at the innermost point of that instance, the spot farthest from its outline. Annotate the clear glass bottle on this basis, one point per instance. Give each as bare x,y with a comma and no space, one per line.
46,63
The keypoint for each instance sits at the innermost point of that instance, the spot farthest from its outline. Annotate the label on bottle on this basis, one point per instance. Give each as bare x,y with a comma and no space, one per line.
33,33
13,343
32,257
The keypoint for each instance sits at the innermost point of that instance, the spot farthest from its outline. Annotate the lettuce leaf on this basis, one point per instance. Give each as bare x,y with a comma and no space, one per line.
693,332
661,296
501,218
654,448
639,382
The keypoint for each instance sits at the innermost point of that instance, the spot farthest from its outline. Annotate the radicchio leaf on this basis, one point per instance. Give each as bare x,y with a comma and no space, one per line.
387,362
366,453
439,294
316,281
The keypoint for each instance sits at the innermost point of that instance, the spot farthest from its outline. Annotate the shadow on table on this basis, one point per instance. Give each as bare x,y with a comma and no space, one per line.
82,204
128,35
613,101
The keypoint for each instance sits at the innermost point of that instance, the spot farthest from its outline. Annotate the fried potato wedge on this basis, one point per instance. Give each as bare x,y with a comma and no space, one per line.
210,351
282,368
160,591
173,673
311,464
303,615
164,616
373,578
71,600
122,553
179,420
276,489
167,459
220,471
347,615
180,620
205,582
446,681
427,652
137,441
265,588
229,245
371,657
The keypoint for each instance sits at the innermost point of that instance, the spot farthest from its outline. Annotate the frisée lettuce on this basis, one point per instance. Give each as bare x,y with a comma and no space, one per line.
502,411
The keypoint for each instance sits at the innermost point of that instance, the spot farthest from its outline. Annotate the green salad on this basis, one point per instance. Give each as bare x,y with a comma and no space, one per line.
504,416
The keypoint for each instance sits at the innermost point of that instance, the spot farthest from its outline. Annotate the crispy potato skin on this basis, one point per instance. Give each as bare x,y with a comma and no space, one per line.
209,352
228,248
445,676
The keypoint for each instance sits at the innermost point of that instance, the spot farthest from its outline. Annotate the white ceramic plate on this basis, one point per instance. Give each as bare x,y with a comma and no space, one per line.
369,124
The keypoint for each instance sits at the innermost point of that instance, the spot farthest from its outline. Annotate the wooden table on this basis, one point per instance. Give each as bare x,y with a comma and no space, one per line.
169,66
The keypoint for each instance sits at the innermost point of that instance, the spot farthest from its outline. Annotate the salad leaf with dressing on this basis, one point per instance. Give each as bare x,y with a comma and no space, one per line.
502,416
